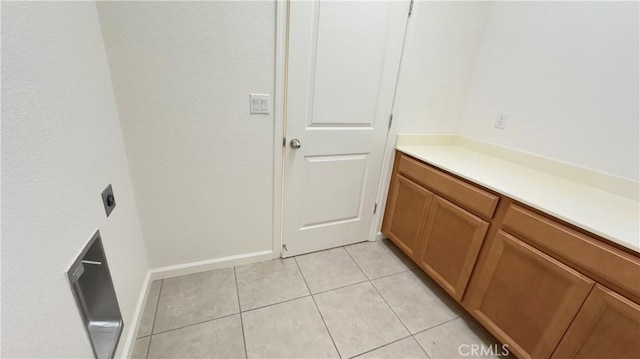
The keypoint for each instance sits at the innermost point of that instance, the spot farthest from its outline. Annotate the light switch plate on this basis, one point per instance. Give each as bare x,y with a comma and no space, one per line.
259,103
501,121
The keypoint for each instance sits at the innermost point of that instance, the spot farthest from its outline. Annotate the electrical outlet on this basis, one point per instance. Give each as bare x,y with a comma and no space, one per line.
108,200
501,121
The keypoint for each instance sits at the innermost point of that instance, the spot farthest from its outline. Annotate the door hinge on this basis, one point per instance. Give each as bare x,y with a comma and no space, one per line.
375,208
284,142
390,121
410,7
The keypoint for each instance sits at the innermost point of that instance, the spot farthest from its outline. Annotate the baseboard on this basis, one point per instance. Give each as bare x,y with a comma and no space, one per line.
179,270
210,264
130,341
380,236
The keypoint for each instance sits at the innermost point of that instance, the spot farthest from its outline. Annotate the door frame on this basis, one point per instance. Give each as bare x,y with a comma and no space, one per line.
280,117
392,132
279,122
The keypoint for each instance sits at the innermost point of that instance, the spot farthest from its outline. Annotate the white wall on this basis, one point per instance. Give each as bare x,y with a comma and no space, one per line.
439,54
202,166
441,46
61,146
567,74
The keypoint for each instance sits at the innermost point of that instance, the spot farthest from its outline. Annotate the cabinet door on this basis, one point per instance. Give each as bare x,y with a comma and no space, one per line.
406,213
450,244
607,326
526,298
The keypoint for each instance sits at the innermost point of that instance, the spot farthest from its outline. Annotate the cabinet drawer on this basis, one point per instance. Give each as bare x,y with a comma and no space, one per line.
471,197
616,268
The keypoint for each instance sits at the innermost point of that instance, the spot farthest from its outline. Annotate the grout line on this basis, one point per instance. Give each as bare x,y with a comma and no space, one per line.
420,345
244,338
276,303
340,287
197,323
318,309
435,326
383,298
380,347
390,307
148,346
155,315
389,275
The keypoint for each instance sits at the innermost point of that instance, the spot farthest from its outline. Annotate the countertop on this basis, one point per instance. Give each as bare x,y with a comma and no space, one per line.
606,214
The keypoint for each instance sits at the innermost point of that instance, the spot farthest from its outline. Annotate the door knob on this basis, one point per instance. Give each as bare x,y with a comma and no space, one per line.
295,144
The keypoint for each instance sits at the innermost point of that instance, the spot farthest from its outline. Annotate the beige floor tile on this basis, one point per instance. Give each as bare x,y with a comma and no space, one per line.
379,258
329,269
292,329
140,348
418,302
456,339
269,282
406,348
149,312
219,338
195,298
359,319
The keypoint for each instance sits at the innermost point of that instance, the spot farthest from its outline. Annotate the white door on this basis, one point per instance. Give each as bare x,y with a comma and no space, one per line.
343,59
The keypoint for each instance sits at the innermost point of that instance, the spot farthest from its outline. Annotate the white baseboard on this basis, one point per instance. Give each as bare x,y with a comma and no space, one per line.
209,264
130,341
380,236
180,270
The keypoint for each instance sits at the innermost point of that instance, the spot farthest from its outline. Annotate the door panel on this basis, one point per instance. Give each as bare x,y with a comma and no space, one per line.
343,60
607,326
526,298
406,213
334,189
450,245
356,62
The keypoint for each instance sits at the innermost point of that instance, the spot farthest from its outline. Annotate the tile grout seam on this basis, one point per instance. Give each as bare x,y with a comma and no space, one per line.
380,347
244,338
318,309
197,323
155,315
383,298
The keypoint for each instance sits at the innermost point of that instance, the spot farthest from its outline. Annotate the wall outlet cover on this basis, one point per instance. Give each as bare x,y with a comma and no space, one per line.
108,200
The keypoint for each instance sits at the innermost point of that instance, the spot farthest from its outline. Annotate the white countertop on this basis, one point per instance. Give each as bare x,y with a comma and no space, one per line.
605,214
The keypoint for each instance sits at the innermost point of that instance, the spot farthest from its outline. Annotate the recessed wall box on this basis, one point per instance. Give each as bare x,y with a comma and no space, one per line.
95,296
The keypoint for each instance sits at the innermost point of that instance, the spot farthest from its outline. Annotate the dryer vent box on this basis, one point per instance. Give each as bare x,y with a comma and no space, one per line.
95,297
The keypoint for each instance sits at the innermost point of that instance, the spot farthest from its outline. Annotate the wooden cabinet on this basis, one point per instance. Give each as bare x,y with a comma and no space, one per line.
538,284
406,213
607,326
526,298
614,268
450,245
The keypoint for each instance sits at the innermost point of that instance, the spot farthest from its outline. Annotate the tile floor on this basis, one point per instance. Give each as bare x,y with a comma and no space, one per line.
365,300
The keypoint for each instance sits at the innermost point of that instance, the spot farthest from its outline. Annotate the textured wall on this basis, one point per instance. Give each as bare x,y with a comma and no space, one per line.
439,56
567,73
440,49
202,166
61,146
